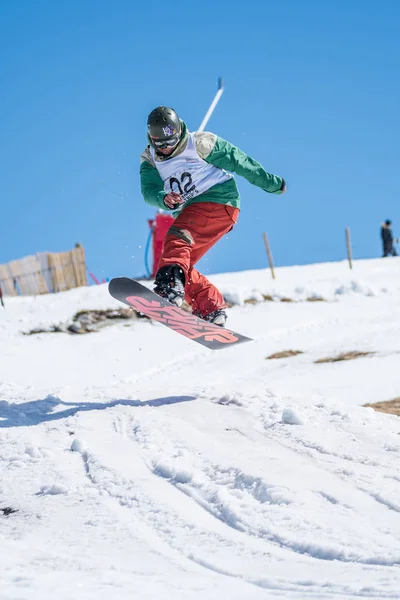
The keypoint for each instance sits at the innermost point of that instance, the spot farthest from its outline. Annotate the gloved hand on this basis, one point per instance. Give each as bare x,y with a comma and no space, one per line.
173,200
283,188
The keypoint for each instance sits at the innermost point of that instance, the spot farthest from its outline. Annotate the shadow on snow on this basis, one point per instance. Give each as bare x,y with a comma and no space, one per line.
40,411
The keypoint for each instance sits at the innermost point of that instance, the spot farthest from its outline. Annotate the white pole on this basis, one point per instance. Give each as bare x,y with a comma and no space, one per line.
213,104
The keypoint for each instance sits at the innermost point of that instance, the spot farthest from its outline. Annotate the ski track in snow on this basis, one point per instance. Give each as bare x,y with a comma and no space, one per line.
164,470
233,497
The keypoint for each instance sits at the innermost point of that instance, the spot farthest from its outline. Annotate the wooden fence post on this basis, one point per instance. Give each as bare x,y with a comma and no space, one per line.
348,244
268,249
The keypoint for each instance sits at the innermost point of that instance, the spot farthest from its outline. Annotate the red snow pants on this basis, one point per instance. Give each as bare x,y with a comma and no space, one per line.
196,229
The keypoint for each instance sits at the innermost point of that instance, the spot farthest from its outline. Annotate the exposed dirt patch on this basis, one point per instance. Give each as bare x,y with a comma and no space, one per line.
284,354
8,511
353,354
270,298
391,407
87,321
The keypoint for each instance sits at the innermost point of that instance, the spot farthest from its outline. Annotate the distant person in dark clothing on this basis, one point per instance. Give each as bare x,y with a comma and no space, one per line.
387,239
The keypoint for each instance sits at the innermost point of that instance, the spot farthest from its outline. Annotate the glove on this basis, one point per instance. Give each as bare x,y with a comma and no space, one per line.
282,189
173,200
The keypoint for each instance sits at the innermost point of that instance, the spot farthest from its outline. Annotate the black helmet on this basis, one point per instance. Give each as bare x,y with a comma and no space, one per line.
164,127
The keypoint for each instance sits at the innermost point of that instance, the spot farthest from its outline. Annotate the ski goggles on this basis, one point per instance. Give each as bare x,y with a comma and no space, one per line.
169,143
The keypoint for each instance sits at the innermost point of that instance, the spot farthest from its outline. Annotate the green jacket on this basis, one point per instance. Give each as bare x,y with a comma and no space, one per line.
219,153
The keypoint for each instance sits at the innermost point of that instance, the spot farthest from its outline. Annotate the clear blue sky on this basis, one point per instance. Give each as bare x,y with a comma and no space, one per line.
311,91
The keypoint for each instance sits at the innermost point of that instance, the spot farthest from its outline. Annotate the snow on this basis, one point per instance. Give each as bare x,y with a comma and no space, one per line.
292,416
142,465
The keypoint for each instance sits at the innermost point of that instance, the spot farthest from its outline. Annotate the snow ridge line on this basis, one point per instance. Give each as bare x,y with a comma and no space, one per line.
233,497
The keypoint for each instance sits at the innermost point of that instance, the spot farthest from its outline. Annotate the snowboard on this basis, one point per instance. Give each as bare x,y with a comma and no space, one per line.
145,301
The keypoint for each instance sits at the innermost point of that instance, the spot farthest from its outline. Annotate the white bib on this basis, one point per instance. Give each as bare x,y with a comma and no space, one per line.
188,174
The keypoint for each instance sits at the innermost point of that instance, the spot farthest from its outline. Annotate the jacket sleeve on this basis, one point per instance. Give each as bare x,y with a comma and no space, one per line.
152,186
225,155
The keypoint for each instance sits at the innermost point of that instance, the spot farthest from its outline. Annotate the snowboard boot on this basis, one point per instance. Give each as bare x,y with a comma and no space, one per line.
218,317
170,284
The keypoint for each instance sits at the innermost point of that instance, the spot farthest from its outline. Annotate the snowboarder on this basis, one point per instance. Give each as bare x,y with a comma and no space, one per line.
387,239
191,172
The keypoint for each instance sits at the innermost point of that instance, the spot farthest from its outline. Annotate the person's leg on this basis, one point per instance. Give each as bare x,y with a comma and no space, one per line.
200,293
386,248
175,260
193,233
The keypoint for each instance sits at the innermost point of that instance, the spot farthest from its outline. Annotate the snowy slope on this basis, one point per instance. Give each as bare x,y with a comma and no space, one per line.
144,466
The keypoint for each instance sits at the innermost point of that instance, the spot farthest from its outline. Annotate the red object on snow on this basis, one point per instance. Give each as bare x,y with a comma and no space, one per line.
159,227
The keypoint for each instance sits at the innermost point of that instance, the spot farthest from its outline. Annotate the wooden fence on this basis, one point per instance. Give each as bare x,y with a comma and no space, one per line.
43,273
